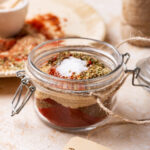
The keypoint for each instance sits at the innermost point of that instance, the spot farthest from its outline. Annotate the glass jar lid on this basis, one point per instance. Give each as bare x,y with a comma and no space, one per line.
144,74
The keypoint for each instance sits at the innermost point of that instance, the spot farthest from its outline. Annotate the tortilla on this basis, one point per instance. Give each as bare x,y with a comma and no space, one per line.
76,19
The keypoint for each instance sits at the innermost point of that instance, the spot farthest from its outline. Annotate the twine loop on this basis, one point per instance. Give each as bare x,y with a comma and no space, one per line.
115,115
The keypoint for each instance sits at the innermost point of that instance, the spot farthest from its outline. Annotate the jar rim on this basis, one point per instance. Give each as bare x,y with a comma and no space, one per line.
70,80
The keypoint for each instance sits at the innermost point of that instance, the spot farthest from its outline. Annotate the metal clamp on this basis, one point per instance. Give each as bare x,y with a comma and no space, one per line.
135,72
135,75
126,57
17,104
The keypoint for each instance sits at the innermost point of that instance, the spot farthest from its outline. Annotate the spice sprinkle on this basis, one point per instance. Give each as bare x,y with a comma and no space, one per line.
91,67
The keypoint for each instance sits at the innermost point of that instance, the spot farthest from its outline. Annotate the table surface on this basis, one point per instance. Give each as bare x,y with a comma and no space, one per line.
26,132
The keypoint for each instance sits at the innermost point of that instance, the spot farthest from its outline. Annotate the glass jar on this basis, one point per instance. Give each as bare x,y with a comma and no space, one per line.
67,104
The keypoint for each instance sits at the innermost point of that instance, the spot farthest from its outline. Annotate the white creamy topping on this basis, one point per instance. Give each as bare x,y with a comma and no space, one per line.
71,65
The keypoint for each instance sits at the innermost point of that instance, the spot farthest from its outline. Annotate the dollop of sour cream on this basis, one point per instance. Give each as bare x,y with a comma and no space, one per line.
71,65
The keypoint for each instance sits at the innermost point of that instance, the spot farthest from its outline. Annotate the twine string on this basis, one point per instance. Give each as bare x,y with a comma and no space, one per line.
131,39
115,115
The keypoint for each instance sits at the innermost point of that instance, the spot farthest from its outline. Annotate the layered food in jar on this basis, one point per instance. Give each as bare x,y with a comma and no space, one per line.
73,66
66,73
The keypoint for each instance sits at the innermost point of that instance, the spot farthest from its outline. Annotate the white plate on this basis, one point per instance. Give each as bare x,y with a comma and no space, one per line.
82,19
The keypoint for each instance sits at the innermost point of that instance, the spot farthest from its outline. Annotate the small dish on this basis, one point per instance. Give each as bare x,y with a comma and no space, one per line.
12,19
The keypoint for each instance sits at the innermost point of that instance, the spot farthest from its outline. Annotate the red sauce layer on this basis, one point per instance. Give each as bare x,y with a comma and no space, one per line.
67,117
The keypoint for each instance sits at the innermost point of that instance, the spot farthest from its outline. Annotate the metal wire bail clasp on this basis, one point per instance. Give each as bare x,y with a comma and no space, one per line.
18,102
135,72
126,57
135,75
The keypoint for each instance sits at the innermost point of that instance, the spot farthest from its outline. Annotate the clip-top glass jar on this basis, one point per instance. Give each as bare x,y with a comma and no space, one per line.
67,104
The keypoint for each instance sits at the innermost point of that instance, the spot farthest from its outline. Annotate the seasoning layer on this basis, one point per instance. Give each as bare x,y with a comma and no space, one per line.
75,65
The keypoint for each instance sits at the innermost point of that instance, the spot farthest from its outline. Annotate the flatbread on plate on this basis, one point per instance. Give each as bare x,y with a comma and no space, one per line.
73,18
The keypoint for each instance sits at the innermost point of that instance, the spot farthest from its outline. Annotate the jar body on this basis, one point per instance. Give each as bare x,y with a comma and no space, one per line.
67,104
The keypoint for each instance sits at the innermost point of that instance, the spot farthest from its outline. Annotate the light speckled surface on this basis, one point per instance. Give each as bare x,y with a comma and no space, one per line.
26,132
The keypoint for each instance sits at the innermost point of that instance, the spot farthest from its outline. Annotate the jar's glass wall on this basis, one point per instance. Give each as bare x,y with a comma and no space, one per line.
66,103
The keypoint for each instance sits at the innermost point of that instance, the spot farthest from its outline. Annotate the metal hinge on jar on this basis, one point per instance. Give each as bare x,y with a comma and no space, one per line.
126,58
135,74
18,102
